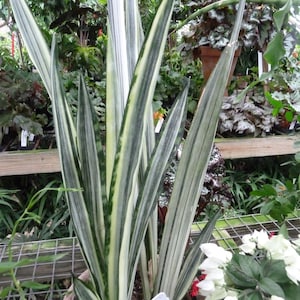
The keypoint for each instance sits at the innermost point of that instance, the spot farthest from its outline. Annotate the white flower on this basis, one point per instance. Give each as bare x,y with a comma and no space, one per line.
218,294
280,248
256,240
209,263
214,287
206,287
216,275
277,246
231,295
217,253
248,245
261,238
293,272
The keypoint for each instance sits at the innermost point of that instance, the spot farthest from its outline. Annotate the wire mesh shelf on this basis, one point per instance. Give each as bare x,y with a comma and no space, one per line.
57,274
228,232
35,264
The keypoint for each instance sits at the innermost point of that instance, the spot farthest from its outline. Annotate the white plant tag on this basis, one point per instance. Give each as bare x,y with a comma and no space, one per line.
31,137
24,136
159,125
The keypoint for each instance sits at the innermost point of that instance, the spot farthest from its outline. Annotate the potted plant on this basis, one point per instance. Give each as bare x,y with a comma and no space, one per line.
210,32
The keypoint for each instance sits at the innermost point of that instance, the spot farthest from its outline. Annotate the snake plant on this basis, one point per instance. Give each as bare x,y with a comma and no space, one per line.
113,188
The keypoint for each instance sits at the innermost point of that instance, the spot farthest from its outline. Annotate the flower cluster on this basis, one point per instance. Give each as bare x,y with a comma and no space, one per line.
266,267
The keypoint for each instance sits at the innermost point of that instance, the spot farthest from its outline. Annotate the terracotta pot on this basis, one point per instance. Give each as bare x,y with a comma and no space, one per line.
209,58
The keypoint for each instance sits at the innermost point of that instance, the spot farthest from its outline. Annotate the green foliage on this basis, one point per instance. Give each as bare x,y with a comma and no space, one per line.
9,265
174,67
53,221
284,88
246,175
279,200
23,101
257,278
214,26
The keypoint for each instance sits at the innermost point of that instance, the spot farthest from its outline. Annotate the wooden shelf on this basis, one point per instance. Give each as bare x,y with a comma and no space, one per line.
47,161
257,147
29,162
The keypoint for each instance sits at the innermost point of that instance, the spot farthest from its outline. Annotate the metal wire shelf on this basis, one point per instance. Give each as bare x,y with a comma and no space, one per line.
228,232
57,274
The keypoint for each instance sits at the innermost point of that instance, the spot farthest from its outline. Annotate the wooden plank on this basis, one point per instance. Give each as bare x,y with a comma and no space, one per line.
47,161
29,162
257,147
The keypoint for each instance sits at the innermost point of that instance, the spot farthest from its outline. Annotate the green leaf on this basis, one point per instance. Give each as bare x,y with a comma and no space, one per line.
251,295
83,291
5,203
92,165
241,272
247,265
297,155
191,171
69,156
194,258
289,116
283,230
270,287
277,104
34,285
34,41
131,147
275,50
266,191
281,15
155,172
290,290
275,270
4,292
267,207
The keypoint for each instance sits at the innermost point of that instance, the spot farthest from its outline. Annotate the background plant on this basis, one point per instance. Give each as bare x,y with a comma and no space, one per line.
277,200
9,265
54,218
246,175
283,92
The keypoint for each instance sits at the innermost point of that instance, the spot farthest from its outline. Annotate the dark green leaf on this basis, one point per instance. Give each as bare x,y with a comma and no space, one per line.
83,291
34,285
266,207
251,295
270,287
289,116
275,270
265,191
281,15
275,50
247,265
290,290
